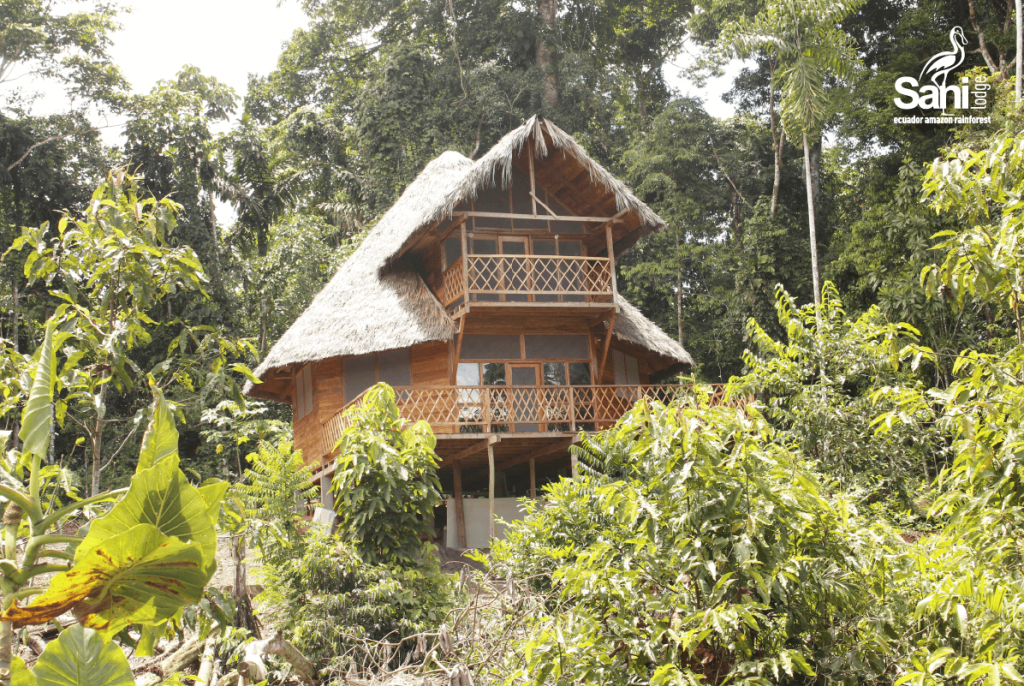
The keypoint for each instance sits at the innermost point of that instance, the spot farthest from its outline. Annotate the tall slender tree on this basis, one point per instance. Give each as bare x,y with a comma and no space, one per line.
804,37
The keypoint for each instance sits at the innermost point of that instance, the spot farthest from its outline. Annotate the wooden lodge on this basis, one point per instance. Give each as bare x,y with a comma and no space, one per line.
486,296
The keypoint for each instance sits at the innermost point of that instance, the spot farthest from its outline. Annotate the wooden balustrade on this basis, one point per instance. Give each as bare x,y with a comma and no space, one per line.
519,409
527,278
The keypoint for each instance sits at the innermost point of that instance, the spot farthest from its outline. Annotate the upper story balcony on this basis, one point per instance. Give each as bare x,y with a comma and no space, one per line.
527,279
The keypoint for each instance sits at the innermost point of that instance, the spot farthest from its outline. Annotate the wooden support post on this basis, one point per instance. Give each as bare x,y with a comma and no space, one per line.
458,352
533,185
604,350
465,265
460,514
572,461
533,479
490,490
611,257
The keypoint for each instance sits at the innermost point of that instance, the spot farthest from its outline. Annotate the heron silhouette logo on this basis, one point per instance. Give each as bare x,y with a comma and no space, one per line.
939,95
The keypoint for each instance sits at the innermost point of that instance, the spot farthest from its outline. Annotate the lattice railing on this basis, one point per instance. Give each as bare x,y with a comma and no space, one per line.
527,278
519,409
453,284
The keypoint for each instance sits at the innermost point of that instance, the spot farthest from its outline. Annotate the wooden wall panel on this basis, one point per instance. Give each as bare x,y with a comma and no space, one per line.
306,431
430,364
328,388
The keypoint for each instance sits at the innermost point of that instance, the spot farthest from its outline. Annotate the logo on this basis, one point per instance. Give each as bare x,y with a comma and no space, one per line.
938,95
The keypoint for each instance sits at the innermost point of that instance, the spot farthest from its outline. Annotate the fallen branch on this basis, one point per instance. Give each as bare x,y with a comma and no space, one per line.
254,669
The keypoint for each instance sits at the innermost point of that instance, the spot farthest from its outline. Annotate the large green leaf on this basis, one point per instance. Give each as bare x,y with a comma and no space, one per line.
138,577
161,439
36,419
213,491
163,497
79,657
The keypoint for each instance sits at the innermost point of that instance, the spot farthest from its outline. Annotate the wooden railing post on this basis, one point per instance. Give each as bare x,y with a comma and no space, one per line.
485,404
572,408
611,258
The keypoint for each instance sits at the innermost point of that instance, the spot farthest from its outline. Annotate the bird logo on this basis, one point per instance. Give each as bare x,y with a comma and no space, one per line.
941,64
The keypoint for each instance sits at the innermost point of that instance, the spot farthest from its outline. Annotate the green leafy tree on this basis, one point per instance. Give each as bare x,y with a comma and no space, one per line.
276,488
385,482
113,269
695,548
138,565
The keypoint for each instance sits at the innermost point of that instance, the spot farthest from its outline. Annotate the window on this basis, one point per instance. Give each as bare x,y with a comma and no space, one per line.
392,367
304,392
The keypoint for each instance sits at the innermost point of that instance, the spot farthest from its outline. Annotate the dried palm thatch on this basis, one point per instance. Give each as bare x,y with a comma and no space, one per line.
374,303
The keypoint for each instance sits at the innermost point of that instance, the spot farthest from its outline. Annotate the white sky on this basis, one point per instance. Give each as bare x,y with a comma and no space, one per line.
228,39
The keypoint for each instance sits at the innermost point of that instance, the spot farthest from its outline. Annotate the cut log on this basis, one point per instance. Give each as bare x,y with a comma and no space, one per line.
182,658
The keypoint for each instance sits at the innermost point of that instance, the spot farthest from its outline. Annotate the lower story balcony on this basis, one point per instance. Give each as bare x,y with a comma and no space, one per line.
459,412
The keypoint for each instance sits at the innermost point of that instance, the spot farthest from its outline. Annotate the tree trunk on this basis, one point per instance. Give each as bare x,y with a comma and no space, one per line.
97,442
778,173
810,222
679,291
816,174
546,55
1020,51
778,141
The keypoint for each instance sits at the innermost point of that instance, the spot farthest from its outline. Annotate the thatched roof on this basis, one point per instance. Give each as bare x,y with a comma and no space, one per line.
374,304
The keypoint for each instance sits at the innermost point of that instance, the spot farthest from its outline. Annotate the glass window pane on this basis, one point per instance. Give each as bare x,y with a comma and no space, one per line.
360,373
485,246
543,247
558,347
579,373
554,373
490,347
494,373
395,369
510,247
572,248
468,374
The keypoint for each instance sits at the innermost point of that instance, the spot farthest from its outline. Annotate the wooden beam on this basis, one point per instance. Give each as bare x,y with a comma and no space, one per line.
460,513
458,352
560,446
477,447
544,205
604,316
533,478
533,182
604,350
558,217
490,492
611,256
